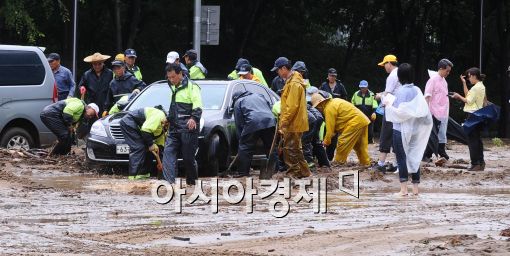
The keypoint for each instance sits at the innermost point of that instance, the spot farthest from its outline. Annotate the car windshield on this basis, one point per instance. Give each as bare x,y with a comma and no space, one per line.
160,94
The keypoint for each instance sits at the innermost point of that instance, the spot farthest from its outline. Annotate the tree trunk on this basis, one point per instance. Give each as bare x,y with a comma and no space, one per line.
118,27
504,87
249,28
133,28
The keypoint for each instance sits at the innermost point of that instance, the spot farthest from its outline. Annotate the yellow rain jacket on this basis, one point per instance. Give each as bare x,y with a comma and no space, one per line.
293,116
341,115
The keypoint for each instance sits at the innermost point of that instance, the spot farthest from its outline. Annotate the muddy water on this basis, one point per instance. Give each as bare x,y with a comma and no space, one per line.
94,213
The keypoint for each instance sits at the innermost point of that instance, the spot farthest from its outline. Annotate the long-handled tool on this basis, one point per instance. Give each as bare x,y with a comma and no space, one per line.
267,169
159,165
227,172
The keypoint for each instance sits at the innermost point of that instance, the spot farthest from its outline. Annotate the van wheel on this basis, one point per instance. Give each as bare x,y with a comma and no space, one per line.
17,138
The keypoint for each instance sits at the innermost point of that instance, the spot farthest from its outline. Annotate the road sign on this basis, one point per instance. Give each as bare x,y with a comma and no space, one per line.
210,25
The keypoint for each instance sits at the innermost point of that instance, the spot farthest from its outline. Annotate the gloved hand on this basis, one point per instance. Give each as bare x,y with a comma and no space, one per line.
136,91
83,90
373,117
154,148
105,113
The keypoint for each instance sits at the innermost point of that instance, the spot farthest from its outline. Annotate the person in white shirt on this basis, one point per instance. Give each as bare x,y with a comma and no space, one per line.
390,64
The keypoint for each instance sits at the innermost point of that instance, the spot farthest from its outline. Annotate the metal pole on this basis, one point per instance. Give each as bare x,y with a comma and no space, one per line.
481,33
75,25
196,27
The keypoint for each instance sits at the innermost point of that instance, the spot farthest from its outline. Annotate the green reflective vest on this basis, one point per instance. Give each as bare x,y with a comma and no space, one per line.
364,101
233,75
115,108
74,107
136,71
196,73
152,124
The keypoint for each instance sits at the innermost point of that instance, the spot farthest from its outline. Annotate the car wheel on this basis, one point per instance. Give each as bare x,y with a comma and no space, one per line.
17,138
216,155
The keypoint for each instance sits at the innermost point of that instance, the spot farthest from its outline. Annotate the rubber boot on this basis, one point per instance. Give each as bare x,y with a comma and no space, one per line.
442,151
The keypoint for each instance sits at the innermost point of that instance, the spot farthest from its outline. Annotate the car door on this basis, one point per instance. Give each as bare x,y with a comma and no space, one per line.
229,115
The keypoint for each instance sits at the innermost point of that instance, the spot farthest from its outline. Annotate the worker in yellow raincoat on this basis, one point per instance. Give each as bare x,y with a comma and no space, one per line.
344,118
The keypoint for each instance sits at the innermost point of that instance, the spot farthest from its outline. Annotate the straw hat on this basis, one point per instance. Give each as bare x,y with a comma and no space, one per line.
317,99
96,57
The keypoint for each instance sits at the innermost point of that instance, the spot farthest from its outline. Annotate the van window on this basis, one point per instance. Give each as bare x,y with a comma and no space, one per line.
20,68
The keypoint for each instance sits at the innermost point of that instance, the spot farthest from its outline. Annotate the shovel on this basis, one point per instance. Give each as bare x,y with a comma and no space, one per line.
227,172
267,169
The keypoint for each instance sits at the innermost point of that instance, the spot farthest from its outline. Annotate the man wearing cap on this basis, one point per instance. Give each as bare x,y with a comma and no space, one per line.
364,99
300,67
61,117
63,77
123,83
344,118
240,62
144,131
196,69
254,121
95,82
293,118
173,57
246,72
184,116
334,86
390,65
130,64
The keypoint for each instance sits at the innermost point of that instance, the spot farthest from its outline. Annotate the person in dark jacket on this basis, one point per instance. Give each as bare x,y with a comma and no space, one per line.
364,99
277,85
195,67
95,82
123,84
254,121
337,89
334,86
312,142
184,117
144,130
62,116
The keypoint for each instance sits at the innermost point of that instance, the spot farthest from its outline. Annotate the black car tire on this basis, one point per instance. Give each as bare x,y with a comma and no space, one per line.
17,131
216,160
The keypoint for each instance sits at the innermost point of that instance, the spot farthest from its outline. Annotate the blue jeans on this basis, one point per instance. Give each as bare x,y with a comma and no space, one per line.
398,149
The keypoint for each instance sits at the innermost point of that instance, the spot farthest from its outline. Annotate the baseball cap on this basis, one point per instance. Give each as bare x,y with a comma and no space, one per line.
171,57
363,84
244,69
117,63
310,91
299,66
332,71
241,62
191,52
388,58
120,57
94,107
53,56
130,53
278,63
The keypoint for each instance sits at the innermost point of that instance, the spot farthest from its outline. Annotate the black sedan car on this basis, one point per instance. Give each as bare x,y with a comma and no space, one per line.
217,140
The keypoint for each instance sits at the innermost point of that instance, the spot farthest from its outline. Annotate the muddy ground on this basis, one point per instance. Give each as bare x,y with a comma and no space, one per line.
59,206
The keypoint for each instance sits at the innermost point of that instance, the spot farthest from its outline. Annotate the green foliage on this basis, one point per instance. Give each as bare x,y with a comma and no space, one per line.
19,16
498,142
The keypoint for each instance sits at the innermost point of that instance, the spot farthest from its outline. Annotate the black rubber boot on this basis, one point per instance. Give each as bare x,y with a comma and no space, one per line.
442,151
